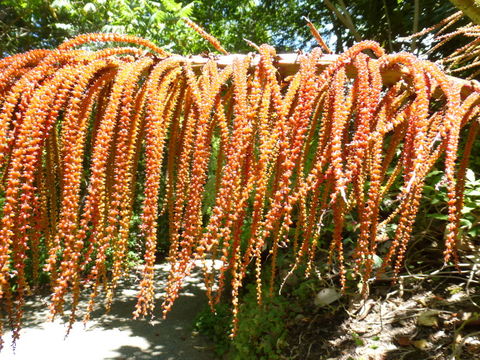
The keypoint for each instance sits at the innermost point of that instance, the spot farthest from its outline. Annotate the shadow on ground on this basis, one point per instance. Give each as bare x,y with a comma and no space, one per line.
115,335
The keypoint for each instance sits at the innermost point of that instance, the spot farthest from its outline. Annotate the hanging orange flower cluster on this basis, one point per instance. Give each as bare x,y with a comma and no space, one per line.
282,158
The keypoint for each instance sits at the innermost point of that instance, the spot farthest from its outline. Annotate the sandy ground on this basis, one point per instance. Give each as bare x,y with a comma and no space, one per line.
116,335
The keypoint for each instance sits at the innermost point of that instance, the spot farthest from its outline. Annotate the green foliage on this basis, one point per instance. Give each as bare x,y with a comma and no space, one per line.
261,333
471,210
27,24
435,200
262,329
281,24
216,326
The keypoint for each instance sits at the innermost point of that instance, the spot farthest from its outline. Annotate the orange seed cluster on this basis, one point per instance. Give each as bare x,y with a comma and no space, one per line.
241,162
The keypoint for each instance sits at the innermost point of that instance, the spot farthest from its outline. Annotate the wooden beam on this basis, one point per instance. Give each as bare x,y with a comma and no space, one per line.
288,64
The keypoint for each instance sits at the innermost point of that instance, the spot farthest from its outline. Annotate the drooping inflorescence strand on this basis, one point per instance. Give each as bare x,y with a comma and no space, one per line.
213,41
242,166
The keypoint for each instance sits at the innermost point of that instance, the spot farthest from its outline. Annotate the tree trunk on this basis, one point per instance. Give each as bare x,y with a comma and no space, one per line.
471,8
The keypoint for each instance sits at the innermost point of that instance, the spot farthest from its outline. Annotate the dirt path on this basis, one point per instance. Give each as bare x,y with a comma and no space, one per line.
115,335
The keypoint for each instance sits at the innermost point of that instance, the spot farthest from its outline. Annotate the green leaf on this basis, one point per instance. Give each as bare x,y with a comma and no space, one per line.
473,232
434,172
89,7
470,175
465,223
58,4
473,193
187,10
171,5
158,17
358,340
438,216
377,261
467,209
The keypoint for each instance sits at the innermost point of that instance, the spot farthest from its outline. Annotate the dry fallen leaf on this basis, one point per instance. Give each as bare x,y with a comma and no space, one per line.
428,318
326,297
403,340
421,344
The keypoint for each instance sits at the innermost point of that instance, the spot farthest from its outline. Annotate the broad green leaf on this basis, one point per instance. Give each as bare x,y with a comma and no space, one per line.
473,193
467,209
470,175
